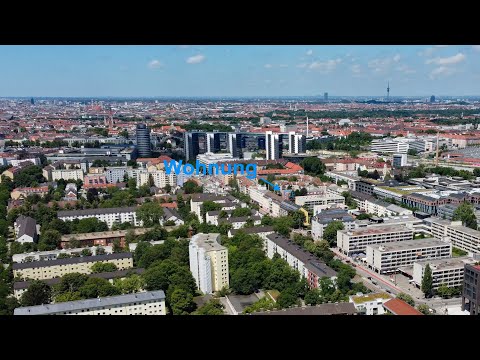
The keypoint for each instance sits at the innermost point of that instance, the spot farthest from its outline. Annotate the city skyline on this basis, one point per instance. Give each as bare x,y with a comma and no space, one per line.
239,71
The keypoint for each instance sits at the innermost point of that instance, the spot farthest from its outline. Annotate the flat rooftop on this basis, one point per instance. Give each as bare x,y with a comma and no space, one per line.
103,234
90,303
458,227
444,264
408,244
208,241
360,299
342,308
377,230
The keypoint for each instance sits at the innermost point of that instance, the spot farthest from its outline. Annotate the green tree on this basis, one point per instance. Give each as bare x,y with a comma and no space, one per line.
313,166
49,240
330,232
68,296
181,302
212,307
71,282
150,213
191,187
132,284
97,287
100,267
313,297
427,281
38,293
287,298
424,309
466,214
407,298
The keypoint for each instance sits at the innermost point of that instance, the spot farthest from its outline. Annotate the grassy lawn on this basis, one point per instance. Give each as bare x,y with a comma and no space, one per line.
457,252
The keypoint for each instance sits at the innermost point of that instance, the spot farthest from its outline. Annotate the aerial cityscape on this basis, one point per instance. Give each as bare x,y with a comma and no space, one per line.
240,180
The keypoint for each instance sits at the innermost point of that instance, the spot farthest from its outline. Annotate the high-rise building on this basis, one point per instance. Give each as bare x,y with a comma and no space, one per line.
399,160
297,143
235,145
432,98
208,262
213,142
191,145
325,97
32,101
143,141
272,146
471,289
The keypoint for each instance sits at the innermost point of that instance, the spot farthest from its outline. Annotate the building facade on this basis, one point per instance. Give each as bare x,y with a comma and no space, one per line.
471,289
108,215
143,303
143,141
461,237
208,262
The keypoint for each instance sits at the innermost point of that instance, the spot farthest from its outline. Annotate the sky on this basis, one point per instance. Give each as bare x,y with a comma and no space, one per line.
234,70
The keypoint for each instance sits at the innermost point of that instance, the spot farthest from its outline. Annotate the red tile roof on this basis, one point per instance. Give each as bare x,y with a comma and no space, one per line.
400,307
172,205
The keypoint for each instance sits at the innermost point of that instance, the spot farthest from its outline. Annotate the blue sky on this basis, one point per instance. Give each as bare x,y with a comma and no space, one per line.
214,70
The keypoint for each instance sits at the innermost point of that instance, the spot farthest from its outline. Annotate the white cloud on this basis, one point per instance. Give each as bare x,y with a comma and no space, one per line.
302,65
427,52
451,60
196,59
309,52
324,66
442,71
268,66
405,69
476,47
381,65
155,64
356,69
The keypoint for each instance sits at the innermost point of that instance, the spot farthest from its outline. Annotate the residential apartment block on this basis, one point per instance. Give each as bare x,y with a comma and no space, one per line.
322,219
143,303
40,270
386,258
307,264
107,215
208,262
444,271
319,201
461,237
101,238
355,241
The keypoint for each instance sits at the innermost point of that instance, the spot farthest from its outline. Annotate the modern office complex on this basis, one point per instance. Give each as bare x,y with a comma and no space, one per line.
386,258
143,141
143,303
355,241
297,143
471,289
235,145
399,160
40,270
444,271
272,146
107,215
191,145
389,146
208,262
461,237
213,142
319,201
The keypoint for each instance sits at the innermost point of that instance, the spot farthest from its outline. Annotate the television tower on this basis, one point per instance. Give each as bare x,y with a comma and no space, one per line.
388,91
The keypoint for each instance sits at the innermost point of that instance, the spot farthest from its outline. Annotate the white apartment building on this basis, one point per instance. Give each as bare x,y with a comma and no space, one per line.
107,215
385,258
396,146
41,270
160,178
319,201
67,174
356,241
53,254
321,220
424,145
272,146
115,174
461,237
351,178
208,262
143,303
370,304
382,208
297,143
444,271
